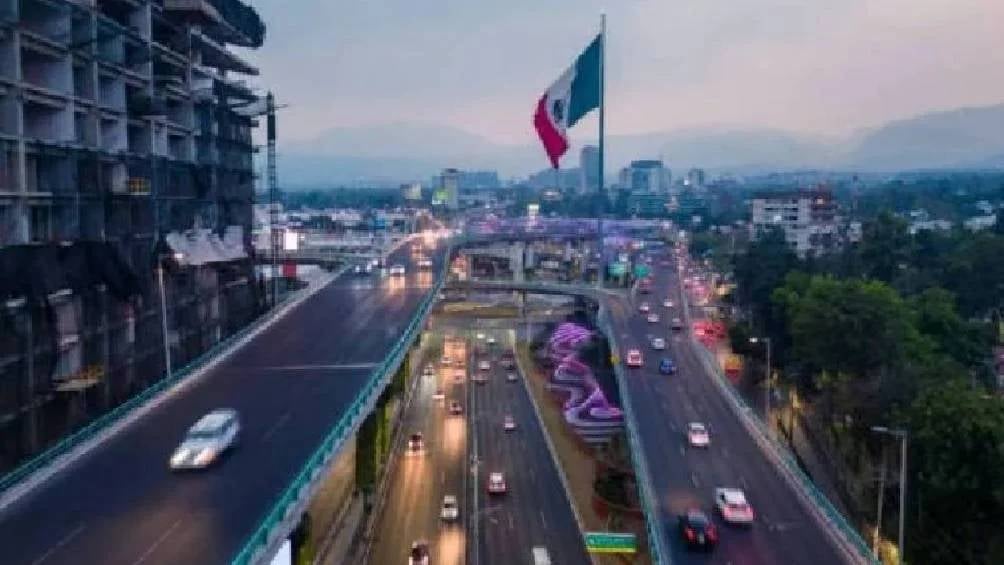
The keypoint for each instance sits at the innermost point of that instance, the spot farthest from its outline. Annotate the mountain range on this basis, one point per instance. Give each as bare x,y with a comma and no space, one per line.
398,152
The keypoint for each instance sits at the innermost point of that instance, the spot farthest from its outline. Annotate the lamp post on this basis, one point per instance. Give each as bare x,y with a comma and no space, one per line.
163,307
766,386
903,436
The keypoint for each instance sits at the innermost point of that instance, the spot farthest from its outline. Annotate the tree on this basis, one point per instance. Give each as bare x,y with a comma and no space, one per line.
885,246
759,271
957,453
938,319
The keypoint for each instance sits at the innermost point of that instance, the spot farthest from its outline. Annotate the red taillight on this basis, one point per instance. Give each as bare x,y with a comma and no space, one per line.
690,534
711,533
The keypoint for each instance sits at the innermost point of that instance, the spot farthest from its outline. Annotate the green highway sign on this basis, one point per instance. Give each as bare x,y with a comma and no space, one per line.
641,270
609,542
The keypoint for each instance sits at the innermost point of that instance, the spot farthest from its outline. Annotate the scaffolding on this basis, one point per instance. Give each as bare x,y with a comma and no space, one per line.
116,129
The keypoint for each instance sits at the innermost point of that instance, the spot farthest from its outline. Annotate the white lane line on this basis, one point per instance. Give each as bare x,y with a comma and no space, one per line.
279,422
59,545
335,367
693,479
146,554
683,450
512,523
543,520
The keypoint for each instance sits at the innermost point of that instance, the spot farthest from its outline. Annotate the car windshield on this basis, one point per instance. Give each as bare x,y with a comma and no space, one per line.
204,435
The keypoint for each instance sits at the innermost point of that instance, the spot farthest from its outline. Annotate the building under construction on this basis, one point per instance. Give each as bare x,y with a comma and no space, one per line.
125,155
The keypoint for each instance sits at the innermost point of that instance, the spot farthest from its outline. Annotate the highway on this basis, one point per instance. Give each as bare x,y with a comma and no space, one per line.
119,504
417,483
535,510
684,477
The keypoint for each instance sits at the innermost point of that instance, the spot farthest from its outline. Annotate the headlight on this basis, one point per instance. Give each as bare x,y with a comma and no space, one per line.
179,457
205,457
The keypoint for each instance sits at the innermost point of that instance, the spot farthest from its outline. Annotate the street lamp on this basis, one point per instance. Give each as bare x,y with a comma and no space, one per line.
903,436
177,257
766,389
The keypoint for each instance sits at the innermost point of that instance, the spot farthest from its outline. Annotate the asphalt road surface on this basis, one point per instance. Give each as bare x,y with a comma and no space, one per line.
684,477
121,505
418,482
535,511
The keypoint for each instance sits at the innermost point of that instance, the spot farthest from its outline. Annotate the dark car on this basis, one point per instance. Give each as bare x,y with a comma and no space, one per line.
666,366
697,530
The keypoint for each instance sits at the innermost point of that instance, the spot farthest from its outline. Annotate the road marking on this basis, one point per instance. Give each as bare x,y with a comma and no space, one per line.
336,367
693,479
59,545
279,422
683,449
543,520
512,523
742,479
146,554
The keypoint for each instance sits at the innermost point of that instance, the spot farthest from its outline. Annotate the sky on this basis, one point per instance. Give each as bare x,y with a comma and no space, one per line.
826,67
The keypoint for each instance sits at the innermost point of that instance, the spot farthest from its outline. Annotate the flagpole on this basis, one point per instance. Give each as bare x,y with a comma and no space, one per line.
601,187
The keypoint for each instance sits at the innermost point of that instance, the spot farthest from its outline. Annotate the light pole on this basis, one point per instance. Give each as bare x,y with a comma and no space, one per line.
163,307
766,386
903,436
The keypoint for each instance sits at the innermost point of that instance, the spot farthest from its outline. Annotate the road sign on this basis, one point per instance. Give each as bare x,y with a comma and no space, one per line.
609,542
641,270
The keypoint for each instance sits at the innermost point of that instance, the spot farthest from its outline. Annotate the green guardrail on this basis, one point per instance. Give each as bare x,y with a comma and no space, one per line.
286,502
660,554
75,439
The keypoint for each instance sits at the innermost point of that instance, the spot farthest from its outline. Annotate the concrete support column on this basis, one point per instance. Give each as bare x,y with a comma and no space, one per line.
516,261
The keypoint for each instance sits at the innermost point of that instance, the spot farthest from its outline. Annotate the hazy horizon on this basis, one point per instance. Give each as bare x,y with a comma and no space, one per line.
822,68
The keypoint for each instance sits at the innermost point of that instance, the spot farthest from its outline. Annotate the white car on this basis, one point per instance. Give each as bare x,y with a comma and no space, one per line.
731,504
207,439
496,483
423,263
445,360
643,307
658,343
511,377
438,395
634,358
676,324
429,370
653,318
484,365
450,511
491,340
480,336
667,303
397,269
697,435
509,424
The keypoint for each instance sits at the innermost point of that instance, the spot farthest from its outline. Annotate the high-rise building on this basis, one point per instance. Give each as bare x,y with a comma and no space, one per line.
647,176
450,183
695,178
808,218
589,169
125,152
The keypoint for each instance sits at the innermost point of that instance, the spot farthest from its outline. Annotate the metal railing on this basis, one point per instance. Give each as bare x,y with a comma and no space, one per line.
292,500
656,539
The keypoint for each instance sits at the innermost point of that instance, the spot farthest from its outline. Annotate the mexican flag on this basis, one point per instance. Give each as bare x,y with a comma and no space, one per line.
572,96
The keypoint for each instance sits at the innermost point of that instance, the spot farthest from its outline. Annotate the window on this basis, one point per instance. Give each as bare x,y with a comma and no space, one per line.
40,224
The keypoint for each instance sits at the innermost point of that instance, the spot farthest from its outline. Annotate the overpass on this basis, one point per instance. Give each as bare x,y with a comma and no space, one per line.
302,384
796,523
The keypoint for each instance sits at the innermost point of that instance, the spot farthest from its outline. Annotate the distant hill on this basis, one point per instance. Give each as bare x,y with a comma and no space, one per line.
955,138
397,152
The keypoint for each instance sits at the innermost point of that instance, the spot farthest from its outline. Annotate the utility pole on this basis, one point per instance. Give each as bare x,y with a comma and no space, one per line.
903,436
273,194
878,514
766,383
